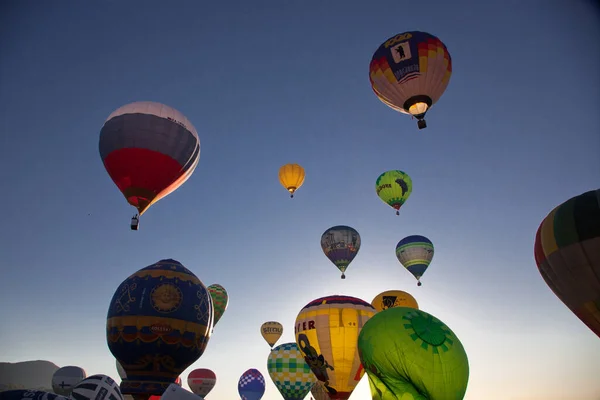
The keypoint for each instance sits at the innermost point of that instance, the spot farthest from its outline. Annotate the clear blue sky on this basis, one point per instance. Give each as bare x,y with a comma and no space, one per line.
266,83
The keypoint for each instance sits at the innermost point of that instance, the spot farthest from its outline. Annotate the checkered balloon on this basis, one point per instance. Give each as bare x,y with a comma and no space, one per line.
251,385
289,372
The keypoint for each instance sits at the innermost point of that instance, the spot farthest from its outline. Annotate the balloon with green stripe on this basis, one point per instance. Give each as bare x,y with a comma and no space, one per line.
289,371
415,253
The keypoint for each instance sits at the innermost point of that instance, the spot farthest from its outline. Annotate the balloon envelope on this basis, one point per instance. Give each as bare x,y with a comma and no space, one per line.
220,300
567,252
289,371
410,71
326,332
158,323
251,385
271,331
291,177
97,387
415,254
65,379
393,188
201,381
340,244
408,352
149,150
393,298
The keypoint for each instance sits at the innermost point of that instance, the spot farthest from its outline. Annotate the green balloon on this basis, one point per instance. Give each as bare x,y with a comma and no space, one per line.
220,300
409,354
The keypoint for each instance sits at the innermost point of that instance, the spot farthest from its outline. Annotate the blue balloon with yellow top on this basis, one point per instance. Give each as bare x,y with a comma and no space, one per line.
158,324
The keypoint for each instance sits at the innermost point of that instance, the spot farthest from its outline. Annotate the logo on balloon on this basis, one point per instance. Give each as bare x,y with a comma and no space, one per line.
166,298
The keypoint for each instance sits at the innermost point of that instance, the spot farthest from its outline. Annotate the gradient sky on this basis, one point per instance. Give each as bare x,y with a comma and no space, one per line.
266,83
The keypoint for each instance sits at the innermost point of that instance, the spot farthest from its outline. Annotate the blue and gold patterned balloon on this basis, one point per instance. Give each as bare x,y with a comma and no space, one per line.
158,324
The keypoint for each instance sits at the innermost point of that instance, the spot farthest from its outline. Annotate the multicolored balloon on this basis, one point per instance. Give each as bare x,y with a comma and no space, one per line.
65,379
251,385
393,188
220,300
393,298
291,177
415,254
271,331
97,387
567,253
201,381
340,244
408,352
149,150
409,73
159,323
289,372
326,333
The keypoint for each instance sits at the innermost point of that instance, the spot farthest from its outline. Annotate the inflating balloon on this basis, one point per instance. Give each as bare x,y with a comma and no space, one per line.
393,188
271,331
201,381
65,379
410,354
159,323
149,150
220,300
326,333
97,387
340,244
289,372
251,385
415,254
409,73
291,177
567,253
393,298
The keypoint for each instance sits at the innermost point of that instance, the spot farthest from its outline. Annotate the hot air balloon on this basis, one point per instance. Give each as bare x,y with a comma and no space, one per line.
149,150
97,387
271,331
567,253
291,177
326,332
393,298
393,188
415,253
410,354
251,385
201,381
220,300
409,73
65,379
340,244
158,324
289,372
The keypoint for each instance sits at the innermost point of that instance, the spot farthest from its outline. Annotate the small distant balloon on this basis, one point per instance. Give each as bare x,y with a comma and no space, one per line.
271,331
415,254
251,385
340,244
393,298
393,188
201,381
220,300
65,379
291,177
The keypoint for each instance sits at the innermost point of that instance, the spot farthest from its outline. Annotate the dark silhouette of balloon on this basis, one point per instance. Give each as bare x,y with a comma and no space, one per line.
65,379
28,394
159,323
410,354
567,253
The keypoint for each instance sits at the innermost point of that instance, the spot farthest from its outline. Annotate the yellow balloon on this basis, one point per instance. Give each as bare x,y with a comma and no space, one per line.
291,177
327,335
271,331
394,298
